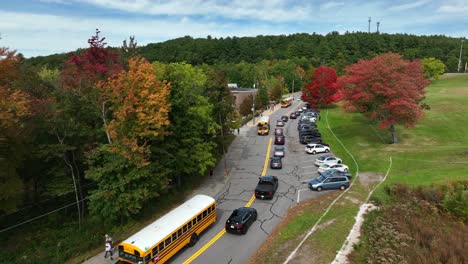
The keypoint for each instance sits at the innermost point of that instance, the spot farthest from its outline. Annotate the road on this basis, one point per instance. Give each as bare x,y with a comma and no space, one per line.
245,160
247,157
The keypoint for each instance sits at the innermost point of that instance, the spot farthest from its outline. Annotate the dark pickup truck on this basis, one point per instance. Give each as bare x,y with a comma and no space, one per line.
266,187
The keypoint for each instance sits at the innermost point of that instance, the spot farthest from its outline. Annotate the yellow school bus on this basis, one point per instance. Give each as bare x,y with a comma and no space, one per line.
160,240
263,126
286,102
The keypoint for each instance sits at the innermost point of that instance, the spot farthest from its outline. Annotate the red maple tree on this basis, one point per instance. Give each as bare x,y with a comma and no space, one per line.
387,89
323,89
83,70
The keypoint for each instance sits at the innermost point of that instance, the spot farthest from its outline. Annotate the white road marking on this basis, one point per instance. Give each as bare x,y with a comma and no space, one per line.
299,194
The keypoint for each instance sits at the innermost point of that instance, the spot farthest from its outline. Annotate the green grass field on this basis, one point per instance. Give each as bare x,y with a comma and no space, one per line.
434,151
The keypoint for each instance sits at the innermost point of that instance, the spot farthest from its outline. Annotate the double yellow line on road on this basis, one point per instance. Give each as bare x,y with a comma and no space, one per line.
249,203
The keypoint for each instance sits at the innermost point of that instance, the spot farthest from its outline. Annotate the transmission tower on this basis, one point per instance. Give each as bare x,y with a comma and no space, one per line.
368,28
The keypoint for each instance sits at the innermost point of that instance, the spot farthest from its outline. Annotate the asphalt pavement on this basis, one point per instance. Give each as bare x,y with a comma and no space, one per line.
212,186
232,185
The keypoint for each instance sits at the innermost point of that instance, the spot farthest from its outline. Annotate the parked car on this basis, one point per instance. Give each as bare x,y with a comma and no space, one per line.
338,166
240,220
278,131
293,116
279,152
334,172
309,139
266,187
327,160
284,118
326,183
310,132
280,123
279,140
276,163
300,110
316,148
306,125
297,113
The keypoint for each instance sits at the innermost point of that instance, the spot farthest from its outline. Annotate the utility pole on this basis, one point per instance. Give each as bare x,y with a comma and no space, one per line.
368,28
378,24
253,105
293,90
222,144
459,57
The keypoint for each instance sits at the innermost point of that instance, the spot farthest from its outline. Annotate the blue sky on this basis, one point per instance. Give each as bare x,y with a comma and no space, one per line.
43,27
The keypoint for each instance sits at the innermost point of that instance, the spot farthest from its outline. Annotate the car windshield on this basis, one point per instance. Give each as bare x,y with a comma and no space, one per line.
321,178
325,166
266,182
236,215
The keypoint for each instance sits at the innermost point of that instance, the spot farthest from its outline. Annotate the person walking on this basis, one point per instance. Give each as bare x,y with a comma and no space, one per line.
108,250
108,246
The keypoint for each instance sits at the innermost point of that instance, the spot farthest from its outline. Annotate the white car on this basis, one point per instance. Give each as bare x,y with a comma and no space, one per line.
340,167
316,148
309,118
328,159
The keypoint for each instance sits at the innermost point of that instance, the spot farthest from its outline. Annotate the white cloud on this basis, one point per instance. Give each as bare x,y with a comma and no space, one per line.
34,34
454,7
330,5
408,6
272,10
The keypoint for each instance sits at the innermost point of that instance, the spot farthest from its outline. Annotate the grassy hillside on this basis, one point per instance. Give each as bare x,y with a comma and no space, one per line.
435,151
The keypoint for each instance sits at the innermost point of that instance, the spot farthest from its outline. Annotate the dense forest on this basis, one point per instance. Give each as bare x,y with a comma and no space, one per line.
90,138
333,50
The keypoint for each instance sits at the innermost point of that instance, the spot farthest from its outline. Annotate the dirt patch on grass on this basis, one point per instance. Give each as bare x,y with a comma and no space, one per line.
279,252
370,178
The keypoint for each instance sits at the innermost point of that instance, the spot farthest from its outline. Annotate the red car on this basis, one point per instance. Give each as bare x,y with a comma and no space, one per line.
279,140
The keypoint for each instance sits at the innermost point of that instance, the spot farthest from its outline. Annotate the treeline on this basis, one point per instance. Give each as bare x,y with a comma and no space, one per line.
333,50
100,140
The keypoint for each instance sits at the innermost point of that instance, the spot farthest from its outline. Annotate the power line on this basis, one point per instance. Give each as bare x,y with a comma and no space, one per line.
46,200
68,205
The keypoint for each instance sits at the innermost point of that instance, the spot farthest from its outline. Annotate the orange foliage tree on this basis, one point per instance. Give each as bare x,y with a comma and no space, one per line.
140,109
14,108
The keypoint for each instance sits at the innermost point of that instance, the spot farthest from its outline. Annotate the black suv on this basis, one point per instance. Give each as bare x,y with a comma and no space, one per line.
309,139
284,118
314,133
240,220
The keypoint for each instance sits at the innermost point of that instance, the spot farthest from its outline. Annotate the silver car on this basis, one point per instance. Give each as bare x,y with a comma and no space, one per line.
327,183
278,152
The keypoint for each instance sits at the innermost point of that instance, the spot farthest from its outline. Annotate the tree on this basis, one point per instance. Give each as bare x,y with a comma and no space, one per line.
126,171
433,68
15,107
245,107
323,89
81,113
387,89
83,71
193,120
